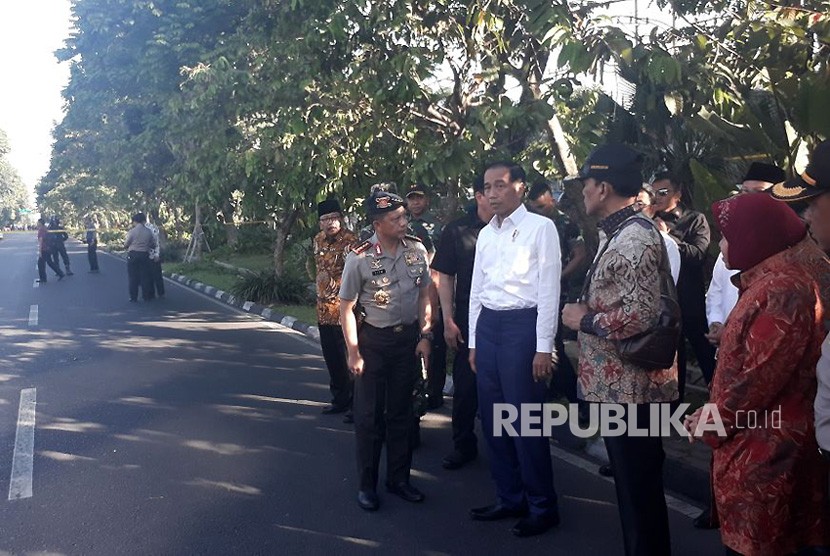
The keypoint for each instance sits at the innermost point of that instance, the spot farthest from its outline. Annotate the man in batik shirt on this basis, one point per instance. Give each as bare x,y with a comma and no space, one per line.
331,245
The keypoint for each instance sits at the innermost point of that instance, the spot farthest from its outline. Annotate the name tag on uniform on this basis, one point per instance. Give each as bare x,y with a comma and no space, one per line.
378,272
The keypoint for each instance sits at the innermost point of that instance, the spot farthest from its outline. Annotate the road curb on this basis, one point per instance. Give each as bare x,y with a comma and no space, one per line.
248,306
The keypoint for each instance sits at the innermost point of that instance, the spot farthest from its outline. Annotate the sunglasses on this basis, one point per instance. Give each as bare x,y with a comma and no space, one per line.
662,192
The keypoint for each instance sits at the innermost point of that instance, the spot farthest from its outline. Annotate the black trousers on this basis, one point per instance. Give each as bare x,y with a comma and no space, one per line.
92,255
464,403
138,274
157,278
638,477
695,329
60,249
437,371
334,353
383,402
44,259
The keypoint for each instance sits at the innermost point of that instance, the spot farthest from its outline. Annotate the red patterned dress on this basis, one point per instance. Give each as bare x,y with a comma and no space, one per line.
770,482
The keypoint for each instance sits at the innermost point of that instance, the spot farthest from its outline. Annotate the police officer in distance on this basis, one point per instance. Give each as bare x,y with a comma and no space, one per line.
388,275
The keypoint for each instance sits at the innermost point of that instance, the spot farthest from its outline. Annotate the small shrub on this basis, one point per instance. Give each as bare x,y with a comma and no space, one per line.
265,288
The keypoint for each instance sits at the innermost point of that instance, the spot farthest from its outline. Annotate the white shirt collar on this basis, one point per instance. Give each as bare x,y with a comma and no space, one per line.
515,218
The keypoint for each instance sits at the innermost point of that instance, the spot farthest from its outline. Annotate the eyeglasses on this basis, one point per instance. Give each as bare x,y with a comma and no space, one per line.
329,217
663,192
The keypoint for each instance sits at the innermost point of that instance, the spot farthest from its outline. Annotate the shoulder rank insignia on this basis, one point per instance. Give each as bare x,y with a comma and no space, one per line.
413,238
358,249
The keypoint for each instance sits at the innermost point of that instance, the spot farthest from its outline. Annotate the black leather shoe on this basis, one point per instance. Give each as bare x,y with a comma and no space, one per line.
334,409
435,402
348,418
606,470
496,512
406,491
368,500
705,521
535,525
457,459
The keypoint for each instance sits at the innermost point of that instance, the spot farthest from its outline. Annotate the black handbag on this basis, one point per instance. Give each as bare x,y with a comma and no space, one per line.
655,348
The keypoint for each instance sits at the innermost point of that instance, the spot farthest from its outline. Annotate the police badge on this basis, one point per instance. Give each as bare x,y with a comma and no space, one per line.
382,298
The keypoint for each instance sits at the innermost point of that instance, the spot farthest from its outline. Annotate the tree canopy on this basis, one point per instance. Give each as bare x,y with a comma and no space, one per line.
255,110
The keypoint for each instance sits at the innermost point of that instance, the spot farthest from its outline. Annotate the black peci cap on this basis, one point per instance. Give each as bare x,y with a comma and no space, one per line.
760,171
328,206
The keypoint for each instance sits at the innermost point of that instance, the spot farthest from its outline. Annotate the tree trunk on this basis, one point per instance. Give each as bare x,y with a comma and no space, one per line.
197,239
231,230
284,228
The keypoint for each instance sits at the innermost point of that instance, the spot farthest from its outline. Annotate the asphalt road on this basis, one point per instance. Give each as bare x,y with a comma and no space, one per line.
182,426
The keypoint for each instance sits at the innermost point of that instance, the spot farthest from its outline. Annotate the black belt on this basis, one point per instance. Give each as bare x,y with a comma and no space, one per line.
397,329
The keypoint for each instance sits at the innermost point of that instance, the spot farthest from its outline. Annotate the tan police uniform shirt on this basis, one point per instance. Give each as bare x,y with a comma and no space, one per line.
386,286
139,238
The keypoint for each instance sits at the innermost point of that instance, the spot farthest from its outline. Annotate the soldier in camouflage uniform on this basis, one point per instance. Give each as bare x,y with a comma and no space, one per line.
417,200
331,245
389,276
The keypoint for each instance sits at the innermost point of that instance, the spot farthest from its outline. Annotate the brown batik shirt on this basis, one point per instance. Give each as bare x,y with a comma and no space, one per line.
330,256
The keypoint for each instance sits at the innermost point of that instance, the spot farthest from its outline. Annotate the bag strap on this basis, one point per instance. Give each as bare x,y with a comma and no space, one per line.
665,269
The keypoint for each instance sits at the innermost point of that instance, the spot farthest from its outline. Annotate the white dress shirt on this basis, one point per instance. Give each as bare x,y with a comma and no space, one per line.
822,403
518,266
722,294
674,255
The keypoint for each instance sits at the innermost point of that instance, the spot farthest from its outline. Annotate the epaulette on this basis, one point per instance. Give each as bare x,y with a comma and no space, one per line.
413,238
362,247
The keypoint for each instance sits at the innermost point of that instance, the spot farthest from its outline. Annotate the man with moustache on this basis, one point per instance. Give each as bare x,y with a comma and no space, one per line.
388,274
514,304
331,245
453,267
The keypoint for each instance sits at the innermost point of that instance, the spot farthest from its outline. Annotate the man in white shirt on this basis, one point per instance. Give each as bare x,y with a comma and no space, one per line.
514,305
722,294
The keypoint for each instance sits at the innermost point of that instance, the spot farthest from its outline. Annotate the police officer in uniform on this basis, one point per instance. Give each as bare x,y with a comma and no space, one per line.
388,275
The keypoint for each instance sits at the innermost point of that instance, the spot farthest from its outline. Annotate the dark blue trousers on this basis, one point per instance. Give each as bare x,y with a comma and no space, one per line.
520,466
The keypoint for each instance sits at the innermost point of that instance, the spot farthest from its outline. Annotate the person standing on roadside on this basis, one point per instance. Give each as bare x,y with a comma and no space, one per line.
453,267
58,237
514,305
417,204
44,253
154,264
331,246
91,240
139,243
388,275
621,301
690,231
813,187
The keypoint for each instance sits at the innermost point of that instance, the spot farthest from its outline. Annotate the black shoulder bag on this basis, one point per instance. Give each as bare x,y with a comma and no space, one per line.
655,348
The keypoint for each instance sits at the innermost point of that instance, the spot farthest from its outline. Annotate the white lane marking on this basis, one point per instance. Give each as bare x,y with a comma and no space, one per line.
20,485
673,503
33,314
36,283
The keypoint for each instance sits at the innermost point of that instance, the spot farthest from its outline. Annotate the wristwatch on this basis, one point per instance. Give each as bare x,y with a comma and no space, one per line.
427,336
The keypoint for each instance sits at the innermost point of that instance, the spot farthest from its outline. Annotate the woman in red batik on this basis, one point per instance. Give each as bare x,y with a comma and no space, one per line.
769,480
